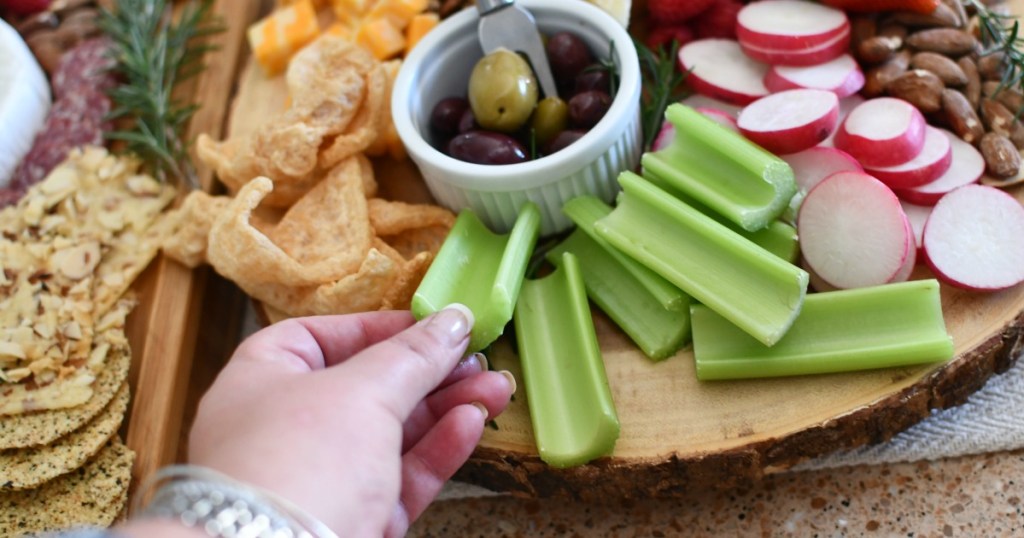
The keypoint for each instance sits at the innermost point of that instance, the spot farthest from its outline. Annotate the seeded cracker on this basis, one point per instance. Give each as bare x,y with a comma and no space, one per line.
92,495
44,427
24,468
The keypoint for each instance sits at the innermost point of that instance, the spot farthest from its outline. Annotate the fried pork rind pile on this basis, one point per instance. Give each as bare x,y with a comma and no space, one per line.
304,232
68,252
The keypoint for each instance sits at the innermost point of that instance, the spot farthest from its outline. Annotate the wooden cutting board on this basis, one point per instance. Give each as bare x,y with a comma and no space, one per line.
678,433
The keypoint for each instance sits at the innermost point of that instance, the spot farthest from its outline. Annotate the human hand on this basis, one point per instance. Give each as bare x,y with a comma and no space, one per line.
358,419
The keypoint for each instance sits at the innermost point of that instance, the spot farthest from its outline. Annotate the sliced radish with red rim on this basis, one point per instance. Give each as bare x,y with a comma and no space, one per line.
789,24
800,57
815,164
720,117
841,76
853,232
790,121
905,270
882,132
973,239
933,161
667,133
917,215
966,167
719,69
846,104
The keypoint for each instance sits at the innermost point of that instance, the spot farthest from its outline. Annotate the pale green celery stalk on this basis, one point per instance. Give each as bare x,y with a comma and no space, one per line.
722,170
657,331
837,331
778,237
584,211
571,407
481,270
748,285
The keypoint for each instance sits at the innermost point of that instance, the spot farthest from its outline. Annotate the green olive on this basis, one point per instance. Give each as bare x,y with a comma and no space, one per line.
502,91
550,118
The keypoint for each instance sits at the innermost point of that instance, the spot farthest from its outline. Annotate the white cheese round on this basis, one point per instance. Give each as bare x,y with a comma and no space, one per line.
24,100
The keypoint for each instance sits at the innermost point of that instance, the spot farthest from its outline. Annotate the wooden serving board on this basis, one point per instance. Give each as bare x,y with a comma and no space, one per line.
164,329
678,433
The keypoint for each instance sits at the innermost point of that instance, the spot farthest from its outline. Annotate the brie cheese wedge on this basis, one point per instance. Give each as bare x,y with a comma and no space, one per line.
24,100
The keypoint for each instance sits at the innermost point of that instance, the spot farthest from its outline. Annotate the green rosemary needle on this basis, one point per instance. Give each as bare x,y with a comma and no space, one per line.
662,86
1000,33
153,52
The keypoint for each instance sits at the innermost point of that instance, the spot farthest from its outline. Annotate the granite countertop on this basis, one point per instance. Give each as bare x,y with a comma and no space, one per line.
966,496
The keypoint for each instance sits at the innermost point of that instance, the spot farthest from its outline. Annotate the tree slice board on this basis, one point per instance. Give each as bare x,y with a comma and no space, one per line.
678,433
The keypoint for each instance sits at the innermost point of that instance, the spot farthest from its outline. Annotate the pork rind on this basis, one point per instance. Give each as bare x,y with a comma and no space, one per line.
337,108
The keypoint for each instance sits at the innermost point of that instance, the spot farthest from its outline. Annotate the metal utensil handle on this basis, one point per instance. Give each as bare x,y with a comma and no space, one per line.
487,6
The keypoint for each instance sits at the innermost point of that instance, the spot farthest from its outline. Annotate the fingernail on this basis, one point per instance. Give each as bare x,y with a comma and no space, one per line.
453,321
481,407
482,359
511,379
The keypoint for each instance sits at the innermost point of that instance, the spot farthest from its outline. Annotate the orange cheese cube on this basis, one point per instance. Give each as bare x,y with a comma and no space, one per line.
399,12
418,27
275,38
351,11
341,30
381,38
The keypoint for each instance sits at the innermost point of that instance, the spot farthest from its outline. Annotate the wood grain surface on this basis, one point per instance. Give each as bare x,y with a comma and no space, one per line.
677,433
163,329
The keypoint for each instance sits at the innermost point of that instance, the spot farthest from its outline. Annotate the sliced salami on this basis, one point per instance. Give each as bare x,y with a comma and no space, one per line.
77,117
85,66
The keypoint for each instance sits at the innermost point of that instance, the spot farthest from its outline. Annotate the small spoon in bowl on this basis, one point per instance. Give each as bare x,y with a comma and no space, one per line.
504,24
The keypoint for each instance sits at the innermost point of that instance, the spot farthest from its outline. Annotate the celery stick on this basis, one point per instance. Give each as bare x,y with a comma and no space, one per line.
481,270
778,237
657,331
837,331
721,169
571,407
584,211
716,266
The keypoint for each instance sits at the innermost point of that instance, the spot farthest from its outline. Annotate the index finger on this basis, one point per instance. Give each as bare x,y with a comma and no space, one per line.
400,371
324,341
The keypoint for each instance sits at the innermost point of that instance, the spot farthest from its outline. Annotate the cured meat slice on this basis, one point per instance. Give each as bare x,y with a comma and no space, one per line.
85,66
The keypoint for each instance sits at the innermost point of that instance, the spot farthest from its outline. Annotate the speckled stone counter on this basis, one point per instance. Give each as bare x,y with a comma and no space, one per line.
969,496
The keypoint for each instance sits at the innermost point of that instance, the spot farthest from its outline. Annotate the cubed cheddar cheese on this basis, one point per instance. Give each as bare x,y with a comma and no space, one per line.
381,38
418,27
340,29
399,12
281,34
351,11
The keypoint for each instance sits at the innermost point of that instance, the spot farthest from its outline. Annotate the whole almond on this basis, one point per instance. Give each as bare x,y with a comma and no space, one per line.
878,49
958,8
876,78
960,116
972,90
941,66
992,66
919,88
1000,120
1009,97
892,29
948,41
1001,158
862,28
943,16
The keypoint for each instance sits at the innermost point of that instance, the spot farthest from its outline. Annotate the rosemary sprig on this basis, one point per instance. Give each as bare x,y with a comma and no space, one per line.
662,85
1001,34
153,53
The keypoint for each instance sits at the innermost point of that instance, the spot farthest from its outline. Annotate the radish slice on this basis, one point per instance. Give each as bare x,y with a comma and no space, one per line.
815,164
702,101
972,239
667,133
927,166
882,132
817,283
917,215
790,121
846,104
800,57
789,24
853,232
905,270
718,68
841,76
966,167
720,117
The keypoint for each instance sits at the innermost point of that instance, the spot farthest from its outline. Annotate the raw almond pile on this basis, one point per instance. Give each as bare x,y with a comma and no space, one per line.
69,251
937,63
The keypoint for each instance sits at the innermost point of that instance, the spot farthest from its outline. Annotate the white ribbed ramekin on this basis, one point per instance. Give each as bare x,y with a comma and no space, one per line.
439,67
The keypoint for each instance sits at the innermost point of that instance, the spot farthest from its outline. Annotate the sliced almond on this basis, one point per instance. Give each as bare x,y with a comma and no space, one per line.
12,349
77,262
